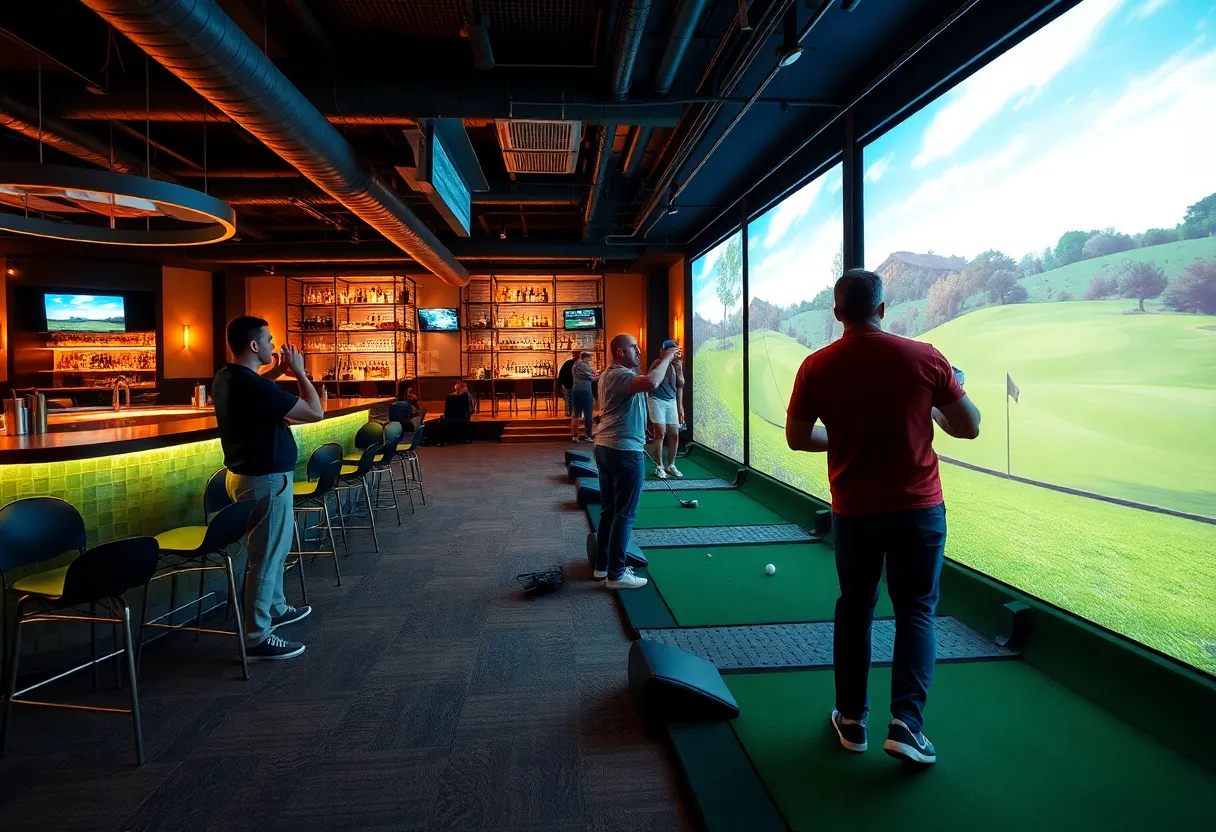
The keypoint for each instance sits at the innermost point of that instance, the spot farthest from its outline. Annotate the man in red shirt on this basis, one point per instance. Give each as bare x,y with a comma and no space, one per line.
877,396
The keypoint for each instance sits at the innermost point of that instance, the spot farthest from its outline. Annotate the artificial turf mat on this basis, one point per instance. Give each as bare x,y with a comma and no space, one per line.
659,510
1016,751
732,588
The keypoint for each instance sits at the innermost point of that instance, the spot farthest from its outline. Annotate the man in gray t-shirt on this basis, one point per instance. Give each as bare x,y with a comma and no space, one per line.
619,457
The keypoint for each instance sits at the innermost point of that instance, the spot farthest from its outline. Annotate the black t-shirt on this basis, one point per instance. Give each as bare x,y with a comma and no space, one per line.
250,410
565,376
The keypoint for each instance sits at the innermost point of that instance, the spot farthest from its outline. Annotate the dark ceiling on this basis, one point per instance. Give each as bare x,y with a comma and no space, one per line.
375,68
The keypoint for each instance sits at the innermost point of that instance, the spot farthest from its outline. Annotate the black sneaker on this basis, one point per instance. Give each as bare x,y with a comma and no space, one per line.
904,745
274,648
851,732
290,616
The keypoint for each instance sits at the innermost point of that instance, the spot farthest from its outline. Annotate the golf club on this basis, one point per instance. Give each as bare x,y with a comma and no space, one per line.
683,503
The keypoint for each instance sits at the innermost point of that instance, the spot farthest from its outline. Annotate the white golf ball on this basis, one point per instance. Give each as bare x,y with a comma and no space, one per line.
709,554
770,570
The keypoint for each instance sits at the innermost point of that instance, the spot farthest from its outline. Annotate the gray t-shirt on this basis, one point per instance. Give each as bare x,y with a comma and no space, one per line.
581,371
667,390
622,413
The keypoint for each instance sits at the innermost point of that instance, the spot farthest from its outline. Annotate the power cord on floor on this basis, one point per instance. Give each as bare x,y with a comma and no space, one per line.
543,582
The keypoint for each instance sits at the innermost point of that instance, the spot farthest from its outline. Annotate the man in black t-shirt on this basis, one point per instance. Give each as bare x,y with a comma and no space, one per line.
260,453
565,378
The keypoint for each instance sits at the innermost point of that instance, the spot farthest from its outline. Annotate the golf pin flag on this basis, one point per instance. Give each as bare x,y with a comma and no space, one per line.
1011,389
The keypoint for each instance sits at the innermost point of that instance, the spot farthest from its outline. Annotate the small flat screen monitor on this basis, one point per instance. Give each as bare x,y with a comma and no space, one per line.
438,320
588,318
85,313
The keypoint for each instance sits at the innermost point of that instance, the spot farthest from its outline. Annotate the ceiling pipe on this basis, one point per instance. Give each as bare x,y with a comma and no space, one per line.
477,29
688,15
637,149
196,41
630,28
22,118
282,191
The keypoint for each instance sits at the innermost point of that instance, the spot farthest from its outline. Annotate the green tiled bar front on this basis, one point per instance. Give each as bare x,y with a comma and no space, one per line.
148,492
145,492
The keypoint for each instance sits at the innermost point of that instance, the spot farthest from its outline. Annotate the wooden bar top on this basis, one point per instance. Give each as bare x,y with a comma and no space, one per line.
155,427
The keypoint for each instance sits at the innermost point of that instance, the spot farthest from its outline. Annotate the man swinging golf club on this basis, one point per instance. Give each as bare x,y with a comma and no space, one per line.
620,456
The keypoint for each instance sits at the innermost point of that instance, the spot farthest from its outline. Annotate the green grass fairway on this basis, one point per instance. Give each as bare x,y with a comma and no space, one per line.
732,588
659,510
1110,402
85,326
1016,751
718,398
1073,278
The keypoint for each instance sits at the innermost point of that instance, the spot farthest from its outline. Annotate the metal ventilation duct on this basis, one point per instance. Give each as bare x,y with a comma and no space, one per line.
539,146
201,45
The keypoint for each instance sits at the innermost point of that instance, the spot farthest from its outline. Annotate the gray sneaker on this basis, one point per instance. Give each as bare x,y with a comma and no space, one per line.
290,616
274,648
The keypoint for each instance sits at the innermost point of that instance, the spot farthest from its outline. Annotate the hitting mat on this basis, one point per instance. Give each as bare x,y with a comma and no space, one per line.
686,484
1016,751
730,586
660,510
808,646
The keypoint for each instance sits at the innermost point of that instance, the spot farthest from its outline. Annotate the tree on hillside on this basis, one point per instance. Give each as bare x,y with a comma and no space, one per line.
1194,290
824,299
763,315
838,263
1200,219
990,271
1142,281
1015,294
945,298
1036,266
1102,285
1106,242
1048,259
730,280
1157,237
1070,247
1026,265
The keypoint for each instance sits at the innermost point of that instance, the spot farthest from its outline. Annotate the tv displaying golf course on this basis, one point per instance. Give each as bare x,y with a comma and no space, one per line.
84,313
1049,224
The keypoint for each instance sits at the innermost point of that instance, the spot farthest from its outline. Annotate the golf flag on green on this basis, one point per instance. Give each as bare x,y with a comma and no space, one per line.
1011,389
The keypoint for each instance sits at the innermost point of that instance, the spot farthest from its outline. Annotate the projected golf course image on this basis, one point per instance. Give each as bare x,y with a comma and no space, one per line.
1076,292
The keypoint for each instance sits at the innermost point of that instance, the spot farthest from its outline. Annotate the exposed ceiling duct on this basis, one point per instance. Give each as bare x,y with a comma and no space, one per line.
539,146
201,45
688,15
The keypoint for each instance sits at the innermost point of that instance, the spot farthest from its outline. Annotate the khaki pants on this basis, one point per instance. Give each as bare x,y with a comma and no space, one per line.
270,536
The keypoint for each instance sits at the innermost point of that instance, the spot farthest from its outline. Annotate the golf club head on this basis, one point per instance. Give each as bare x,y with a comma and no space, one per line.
689,503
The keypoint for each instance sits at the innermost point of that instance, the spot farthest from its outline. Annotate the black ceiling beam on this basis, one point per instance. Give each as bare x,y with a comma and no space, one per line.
467,249
281,191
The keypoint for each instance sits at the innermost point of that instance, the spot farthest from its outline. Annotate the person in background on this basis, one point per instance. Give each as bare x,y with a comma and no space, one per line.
260,453
619,455
666,405
462,389
582,400
566,380
878,396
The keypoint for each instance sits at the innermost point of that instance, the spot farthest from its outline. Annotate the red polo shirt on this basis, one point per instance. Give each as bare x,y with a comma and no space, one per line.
874,392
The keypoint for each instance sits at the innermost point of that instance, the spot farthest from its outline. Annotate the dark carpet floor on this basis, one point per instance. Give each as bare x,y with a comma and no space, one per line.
431,696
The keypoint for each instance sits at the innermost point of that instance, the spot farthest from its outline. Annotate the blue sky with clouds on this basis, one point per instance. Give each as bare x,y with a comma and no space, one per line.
1106,117
92,307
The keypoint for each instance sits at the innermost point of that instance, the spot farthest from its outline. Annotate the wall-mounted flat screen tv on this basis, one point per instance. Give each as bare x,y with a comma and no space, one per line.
438,320
588,318
85,313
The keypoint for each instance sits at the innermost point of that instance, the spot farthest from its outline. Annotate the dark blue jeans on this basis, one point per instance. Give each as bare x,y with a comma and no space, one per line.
911,543
582,405
621,476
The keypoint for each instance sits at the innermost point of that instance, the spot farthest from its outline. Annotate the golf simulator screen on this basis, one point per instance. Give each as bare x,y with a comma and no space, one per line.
1049,225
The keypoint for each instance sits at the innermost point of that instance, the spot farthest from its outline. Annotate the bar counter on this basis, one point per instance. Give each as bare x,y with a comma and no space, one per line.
148,477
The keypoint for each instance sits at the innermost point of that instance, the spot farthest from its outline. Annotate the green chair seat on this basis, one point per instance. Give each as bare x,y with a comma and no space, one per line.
355,458
47,584
304,489
183,539
347,470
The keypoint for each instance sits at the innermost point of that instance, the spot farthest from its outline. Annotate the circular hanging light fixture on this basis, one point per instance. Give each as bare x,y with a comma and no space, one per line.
97,206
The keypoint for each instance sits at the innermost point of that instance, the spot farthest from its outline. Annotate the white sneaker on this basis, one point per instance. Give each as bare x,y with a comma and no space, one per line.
659,472
675,472
627,581
597,575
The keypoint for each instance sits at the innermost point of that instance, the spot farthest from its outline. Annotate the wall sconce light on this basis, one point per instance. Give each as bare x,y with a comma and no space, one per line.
9,269
185,336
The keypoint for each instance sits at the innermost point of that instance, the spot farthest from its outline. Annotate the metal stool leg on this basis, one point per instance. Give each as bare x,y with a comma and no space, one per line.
371,515
198,610
238,614
295,530
130,654
329,527
12,660
143,620
405,481
341,520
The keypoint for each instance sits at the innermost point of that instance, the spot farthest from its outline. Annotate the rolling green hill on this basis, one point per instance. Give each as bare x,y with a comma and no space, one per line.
1073,278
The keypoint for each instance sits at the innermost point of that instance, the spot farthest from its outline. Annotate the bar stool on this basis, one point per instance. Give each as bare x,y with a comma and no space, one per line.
353,478
382,465
102,574
312,498
369,433
412,479
200,549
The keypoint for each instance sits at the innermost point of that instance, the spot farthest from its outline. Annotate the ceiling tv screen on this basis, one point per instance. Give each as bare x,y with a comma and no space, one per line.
582,318
85,313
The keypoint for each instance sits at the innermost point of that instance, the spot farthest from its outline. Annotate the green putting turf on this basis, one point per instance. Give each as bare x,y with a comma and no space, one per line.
659,510
1016,751
690,469
732,588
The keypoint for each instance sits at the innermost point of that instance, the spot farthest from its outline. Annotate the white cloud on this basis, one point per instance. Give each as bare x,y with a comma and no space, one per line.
1082,173
1146,9
1023,71
791,210
798,271
875,171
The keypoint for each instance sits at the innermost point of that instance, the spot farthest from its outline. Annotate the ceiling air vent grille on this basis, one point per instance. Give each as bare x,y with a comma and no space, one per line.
539,146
